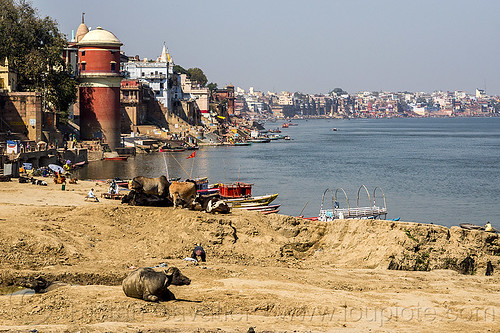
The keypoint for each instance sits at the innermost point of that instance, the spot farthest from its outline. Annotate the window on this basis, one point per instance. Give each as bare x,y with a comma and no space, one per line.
83,53
83,66
113,66
142,74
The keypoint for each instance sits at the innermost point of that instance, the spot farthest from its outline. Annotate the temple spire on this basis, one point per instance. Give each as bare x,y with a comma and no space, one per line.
163,57
83,17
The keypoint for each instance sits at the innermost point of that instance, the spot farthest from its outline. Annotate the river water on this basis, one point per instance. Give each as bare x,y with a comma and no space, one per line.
434,170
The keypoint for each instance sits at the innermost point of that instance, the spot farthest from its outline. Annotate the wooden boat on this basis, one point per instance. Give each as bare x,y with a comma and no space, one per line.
259,140
287,137
165,149
266,212
470,226
276,137
116,158
260,207
251,201
285,125
244,143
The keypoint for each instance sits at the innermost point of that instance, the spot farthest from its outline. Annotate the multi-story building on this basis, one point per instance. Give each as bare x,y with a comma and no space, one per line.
156,73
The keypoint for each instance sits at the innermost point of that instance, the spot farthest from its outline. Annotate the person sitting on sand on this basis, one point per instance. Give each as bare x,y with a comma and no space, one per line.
91,195
488,226
198,252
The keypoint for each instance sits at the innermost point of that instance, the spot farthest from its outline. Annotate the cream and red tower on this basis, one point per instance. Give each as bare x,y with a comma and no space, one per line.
99,76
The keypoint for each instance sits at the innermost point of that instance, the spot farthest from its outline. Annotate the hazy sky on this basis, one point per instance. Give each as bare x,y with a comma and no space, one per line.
309,46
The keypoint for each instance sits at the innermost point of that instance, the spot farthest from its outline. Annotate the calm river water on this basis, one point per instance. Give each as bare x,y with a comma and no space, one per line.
444,171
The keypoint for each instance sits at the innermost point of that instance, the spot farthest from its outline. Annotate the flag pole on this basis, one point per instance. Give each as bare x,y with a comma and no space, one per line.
192,166
166,165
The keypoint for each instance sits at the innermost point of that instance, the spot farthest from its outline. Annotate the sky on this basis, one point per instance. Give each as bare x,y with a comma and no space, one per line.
308,46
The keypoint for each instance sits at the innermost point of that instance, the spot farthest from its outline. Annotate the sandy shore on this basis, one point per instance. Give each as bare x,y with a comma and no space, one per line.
274,273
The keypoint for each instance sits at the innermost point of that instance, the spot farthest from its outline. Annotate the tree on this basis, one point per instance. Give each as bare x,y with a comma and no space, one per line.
338,91
33,46
197,75
212,87
180,70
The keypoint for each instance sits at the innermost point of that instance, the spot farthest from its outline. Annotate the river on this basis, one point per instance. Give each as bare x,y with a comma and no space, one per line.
433,170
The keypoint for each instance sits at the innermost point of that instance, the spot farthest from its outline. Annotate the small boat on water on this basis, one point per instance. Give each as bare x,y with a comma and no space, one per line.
276,137
470,226
260,208
287,137
259,140
369,212
285,125
116,158
251,201
239,195
166,149
243,143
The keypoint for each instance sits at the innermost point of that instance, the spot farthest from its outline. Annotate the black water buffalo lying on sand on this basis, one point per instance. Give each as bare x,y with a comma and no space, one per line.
151,285
142,199
183,193
212,203
155,186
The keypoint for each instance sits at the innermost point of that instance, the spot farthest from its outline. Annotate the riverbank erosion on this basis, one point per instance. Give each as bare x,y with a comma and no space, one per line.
274,273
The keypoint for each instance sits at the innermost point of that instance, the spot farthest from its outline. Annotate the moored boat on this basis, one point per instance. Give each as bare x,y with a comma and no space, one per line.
259,140
251,201
243,143
116,158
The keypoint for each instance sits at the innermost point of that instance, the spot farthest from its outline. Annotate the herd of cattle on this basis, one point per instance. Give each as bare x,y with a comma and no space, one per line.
159,192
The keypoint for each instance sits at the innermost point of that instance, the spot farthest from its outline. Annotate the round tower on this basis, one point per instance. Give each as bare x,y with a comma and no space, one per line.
99,76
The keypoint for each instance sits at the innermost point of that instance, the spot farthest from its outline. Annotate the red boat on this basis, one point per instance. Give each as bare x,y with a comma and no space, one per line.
117,158
285,125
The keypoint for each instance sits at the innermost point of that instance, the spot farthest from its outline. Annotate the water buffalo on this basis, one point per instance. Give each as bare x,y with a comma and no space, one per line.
183,193
142,199
156,186
151,285
212,203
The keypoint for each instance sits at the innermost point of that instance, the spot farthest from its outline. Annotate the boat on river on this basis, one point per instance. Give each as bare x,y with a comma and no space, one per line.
369,212
249,202
116,158
259,140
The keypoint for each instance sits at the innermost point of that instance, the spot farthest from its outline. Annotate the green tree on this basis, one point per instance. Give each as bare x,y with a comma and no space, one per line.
212,87
180,70
33,46
197,75
338,91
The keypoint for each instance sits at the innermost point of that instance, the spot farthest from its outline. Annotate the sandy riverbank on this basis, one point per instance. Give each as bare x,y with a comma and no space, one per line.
274,273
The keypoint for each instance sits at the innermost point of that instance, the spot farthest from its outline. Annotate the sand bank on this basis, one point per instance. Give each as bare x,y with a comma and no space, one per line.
274,273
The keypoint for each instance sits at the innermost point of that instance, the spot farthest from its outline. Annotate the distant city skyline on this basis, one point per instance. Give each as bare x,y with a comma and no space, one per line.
313,47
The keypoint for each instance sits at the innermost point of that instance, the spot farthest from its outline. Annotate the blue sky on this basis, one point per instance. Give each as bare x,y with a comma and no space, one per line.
308,46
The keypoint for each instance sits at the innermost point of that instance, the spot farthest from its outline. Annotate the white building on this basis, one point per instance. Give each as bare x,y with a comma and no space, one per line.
156,74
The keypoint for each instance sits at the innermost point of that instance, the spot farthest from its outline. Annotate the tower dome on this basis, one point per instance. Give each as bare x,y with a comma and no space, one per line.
99,37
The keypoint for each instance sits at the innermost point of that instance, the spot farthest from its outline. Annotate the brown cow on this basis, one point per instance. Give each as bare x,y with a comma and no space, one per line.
151,285
155,186
183,193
